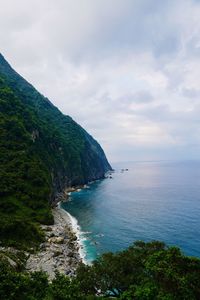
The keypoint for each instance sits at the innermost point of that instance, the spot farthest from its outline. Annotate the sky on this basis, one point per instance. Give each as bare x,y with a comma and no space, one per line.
128,71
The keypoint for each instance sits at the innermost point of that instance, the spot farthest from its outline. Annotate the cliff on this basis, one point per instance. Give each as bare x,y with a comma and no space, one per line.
42,153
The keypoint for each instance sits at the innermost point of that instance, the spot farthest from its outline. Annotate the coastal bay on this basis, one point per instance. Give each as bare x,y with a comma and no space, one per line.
150,201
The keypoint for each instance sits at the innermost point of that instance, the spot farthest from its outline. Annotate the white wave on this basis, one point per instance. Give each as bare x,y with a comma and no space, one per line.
79,234
99,235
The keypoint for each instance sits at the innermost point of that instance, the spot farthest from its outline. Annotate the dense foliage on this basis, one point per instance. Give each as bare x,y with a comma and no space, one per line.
25,184
145,271
41,153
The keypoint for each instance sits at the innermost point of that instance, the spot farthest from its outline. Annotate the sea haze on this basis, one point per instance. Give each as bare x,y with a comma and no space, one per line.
150,201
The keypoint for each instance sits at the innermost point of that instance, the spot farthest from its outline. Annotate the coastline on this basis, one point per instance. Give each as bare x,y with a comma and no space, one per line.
76,230
62,250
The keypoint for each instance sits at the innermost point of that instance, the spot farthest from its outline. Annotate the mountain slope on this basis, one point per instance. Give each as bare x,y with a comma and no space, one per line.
42,152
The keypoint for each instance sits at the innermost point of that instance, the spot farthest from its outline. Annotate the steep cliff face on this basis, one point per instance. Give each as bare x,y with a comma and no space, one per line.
42,151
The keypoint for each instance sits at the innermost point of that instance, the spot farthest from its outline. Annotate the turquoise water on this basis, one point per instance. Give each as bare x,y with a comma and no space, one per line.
150,201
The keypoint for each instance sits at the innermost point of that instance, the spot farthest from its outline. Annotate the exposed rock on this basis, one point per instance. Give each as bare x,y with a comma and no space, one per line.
43,246
11,262
56,240
34,135
60,251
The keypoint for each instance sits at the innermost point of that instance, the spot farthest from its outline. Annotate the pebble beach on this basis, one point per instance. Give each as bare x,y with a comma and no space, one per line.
61,250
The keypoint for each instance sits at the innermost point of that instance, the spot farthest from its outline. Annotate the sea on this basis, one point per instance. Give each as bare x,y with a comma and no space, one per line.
157,200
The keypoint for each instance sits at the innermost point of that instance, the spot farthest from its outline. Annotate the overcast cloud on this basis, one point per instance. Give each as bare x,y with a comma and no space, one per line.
128,71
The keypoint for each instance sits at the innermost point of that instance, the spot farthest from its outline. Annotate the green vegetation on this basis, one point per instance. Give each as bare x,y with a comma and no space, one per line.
41,153
145,271
25,184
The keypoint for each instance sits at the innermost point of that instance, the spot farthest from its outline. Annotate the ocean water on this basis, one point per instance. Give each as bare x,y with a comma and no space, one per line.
150,201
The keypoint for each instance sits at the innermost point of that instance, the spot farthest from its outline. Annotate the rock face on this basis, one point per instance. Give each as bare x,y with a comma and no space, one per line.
60,251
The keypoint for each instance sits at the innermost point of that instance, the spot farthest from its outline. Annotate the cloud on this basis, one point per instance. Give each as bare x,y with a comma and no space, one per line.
191,93
128,71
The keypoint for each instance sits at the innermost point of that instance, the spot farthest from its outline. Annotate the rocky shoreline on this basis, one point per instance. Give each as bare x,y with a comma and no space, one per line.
60,251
